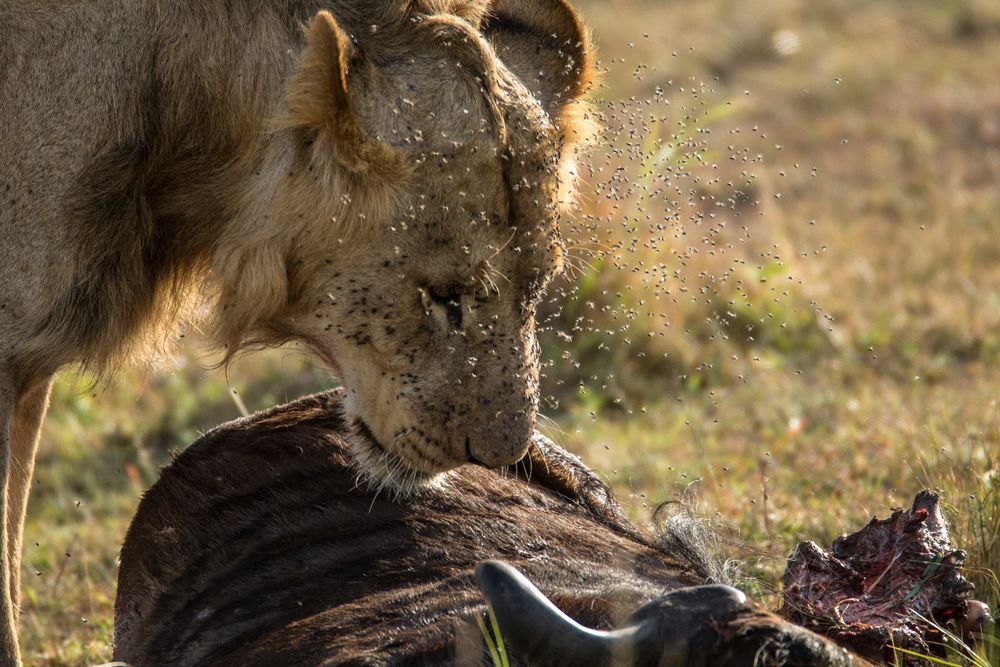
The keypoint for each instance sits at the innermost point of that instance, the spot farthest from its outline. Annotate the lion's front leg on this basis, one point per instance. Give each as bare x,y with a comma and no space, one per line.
21,415
9,655
24,435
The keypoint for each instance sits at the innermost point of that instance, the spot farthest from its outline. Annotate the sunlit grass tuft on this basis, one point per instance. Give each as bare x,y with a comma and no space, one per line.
493,639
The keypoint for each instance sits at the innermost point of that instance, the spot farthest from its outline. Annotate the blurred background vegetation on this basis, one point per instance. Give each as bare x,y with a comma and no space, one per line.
784,300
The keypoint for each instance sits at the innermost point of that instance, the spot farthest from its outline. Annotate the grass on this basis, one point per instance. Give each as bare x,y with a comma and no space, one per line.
955,652
785,295
493,639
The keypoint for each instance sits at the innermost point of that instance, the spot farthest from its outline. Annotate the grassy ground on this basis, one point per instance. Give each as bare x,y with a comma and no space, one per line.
786,296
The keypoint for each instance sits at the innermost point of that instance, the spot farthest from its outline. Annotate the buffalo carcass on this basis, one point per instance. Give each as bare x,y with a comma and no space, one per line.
259,546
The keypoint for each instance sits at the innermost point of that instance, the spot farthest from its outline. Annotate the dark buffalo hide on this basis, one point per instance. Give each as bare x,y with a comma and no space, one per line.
259,546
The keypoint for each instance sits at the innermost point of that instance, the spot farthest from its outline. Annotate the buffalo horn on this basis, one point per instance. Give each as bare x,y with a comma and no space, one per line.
544,636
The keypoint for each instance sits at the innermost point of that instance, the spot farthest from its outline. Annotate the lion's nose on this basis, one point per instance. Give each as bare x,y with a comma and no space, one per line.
500,443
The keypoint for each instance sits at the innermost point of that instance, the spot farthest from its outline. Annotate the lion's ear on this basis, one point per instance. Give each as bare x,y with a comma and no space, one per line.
317,94
319,97
545,45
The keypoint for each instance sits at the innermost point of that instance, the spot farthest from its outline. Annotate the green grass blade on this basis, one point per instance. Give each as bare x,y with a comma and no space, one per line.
936,661
497,662
499,637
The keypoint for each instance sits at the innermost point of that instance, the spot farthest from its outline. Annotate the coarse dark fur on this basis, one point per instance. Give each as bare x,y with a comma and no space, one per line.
258,547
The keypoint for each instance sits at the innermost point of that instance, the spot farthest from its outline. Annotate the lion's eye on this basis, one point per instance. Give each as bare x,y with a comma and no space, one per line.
443,306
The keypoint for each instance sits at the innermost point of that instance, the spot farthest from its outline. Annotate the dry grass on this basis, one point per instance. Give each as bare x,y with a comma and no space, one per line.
786,295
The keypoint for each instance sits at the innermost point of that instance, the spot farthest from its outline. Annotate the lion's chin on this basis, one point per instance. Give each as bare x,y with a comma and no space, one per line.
381,470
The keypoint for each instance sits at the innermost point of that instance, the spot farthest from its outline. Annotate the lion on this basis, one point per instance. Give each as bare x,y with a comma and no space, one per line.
379,181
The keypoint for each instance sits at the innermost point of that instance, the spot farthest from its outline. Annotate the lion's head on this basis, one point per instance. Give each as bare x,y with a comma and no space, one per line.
404,224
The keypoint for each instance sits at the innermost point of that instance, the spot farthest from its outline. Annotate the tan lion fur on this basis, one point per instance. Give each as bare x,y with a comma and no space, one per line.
383,186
